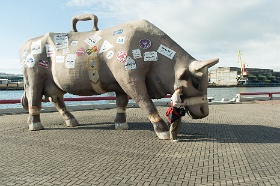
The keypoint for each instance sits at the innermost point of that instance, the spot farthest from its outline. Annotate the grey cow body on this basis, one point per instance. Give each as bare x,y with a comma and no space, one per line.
135,59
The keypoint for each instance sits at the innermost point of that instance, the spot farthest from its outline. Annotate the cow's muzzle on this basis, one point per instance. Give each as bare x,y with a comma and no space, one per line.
196,107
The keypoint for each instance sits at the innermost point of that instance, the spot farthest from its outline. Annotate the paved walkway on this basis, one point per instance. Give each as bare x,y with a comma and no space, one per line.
237,144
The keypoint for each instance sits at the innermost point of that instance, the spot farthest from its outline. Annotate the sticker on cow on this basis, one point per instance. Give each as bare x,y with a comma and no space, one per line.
157,65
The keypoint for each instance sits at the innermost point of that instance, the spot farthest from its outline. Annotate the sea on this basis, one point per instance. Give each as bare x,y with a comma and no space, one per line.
218,93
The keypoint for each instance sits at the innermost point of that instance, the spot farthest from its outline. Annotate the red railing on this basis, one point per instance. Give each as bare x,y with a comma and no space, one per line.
270,94
89,98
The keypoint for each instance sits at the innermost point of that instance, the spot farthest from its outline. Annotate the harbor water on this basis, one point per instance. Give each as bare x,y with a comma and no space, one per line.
218,93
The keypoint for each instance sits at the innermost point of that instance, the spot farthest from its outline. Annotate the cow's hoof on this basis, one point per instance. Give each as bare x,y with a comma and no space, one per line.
36,126
163,135
71,122
121,126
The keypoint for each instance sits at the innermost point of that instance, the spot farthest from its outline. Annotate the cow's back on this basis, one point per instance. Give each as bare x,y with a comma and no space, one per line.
87,63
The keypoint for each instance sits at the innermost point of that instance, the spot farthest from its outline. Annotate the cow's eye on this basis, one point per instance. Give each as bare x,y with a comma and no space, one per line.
183,76
195,84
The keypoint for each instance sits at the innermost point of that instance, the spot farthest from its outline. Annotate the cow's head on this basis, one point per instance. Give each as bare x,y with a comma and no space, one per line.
194,80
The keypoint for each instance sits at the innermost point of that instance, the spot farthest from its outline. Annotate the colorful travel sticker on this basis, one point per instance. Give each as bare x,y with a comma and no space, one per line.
92,40
49,50
92,50
70,60
80,52
59,59
129,63
120,40
150,56
136,53
110,54
118,32
43,63
60,41
105,46
36,47
30,62
166,51
92,63
121,56
89,51
145,43
74,43
95,49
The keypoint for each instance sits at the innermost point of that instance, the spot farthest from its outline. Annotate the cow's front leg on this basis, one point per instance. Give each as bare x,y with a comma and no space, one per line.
59,104
121,103
160,126
142,98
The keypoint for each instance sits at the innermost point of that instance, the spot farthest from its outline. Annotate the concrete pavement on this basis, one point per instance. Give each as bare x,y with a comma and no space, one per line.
237,144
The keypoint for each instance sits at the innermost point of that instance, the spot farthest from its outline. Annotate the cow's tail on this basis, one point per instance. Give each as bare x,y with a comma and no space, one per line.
24,101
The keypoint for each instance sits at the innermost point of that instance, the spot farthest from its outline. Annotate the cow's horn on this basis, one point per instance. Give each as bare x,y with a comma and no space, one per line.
196,67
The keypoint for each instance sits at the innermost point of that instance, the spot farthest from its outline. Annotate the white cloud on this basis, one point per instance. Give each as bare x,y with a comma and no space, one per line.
207,29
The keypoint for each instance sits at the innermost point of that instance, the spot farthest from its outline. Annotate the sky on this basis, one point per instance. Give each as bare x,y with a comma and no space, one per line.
204,28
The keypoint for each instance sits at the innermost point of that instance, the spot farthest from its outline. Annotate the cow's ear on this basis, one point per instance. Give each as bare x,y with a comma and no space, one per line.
197,68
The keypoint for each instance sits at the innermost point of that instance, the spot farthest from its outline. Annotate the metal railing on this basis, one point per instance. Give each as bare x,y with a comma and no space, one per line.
270,94
88,98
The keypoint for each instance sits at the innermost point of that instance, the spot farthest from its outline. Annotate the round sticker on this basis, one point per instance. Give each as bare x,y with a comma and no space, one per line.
121,56
145,43
110,54
80,51
30,62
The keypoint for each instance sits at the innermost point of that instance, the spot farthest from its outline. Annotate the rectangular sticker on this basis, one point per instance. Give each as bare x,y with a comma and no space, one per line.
105,46
129,64
118,32
60,41
24,53
36,47
92,40
120,40
150,56
59,59
136,53
70,60
74,43
166,51
49,50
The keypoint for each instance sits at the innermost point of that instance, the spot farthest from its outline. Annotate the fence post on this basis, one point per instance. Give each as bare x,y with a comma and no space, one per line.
237,97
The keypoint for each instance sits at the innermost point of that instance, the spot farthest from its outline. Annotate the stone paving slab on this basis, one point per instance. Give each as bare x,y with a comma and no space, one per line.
237,144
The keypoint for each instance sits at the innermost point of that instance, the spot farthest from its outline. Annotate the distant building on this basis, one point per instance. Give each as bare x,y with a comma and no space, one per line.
16,78
229,76
4,81
223,76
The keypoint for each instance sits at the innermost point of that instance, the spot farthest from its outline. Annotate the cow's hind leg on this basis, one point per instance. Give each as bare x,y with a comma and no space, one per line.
120,120
32,102
59,104
34,121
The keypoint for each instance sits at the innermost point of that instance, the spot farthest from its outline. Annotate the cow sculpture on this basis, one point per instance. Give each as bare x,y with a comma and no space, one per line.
135,59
